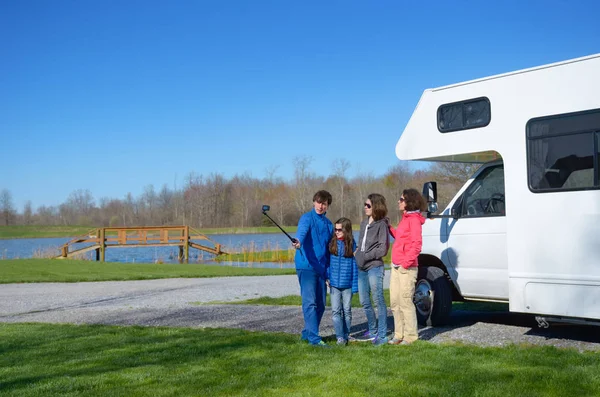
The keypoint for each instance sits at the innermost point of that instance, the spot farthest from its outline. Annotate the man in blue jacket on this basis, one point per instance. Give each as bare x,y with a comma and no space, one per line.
312,261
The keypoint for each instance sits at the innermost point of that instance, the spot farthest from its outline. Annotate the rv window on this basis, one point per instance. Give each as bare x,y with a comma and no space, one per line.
563,151
485,196
464,115
597,164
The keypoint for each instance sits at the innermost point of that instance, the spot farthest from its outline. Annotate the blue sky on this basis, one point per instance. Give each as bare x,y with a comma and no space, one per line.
112,96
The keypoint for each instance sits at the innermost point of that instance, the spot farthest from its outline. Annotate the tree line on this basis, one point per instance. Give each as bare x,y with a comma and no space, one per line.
207,201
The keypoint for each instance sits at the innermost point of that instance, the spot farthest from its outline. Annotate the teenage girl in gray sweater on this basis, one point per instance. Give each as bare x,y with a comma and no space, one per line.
373,244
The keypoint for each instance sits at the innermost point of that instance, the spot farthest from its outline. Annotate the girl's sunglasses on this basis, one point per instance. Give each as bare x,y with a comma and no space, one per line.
368,205
339,230
402,199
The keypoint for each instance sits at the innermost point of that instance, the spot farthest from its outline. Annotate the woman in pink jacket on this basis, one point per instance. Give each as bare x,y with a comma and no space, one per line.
406,250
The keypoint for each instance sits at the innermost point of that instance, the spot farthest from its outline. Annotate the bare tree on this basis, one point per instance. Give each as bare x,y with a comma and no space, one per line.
129,211
194,201
340,167
82,201
270,172
148,205
27,213
111,211
78,208
6,206
395,181
302,177
243,191
165,205
364,184
47,215
278,194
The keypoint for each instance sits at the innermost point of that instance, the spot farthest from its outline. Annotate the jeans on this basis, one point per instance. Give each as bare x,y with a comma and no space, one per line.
371,282
313,291
341,307
402,289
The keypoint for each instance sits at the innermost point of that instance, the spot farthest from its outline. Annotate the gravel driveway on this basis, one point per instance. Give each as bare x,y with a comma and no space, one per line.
170,302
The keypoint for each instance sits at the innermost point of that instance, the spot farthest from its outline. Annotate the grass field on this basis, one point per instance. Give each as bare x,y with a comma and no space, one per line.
70,360
67,270
277,256
30,231
295,300
42,231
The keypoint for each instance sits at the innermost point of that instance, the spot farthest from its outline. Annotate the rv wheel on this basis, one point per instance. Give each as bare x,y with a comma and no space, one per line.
433,297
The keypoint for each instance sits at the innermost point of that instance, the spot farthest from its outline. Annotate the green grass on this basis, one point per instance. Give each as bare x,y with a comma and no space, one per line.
250,255
87,360
34,231
67,270
277,256
42,231
295,300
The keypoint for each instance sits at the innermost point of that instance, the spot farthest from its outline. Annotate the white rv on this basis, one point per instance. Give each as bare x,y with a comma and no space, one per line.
525,229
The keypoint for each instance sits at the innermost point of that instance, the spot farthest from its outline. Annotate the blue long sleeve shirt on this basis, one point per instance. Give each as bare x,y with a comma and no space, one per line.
314,232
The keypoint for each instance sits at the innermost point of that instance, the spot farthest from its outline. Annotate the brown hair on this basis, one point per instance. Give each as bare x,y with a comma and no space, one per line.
413,200
379,207
348,238
322,196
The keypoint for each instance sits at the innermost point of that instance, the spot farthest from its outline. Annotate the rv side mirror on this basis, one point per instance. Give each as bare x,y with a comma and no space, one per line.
430,191
430,194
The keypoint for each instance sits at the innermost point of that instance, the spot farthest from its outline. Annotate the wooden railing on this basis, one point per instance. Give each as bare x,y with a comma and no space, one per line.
142,236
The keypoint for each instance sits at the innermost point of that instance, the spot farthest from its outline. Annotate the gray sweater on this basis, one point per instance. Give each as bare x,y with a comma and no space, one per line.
370,253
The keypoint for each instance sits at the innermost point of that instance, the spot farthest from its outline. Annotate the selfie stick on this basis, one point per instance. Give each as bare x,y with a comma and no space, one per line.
265,208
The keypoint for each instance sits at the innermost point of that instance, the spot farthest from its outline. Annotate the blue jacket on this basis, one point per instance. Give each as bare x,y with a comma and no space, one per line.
342,271
314,232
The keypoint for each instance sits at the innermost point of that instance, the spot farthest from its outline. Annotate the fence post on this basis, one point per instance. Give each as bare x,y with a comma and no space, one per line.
102,244
186,247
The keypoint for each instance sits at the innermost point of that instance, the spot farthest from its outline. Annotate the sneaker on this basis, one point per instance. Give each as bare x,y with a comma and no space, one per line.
380,341
322,344
342,342
405,343
366,337
395,341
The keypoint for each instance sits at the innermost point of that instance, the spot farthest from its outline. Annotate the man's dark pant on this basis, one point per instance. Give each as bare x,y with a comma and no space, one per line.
314,292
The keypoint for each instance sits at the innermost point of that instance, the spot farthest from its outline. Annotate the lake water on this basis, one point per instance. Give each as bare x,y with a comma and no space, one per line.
48,247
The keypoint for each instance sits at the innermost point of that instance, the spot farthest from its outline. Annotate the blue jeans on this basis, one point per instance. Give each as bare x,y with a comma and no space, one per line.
371,282
341,307
313,291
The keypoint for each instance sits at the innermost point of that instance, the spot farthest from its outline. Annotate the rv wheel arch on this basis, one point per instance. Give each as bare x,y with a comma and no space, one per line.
433,296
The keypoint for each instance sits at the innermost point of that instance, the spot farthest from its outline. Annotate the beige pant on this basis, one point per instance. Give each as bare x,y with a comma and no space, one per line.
402,289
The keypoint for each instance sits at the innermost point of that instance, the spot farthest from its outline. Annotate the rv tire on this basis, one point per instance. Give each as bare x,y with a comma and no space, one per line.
433,296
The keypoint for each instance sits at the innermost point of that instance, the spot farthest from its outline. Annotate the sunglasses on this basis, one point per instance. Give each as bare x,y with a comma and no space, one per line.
402,199
339,230
368,205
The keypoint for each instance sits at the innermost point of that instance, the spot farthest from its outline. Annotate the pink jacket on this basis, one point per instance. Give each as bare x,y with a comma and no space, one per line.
408,240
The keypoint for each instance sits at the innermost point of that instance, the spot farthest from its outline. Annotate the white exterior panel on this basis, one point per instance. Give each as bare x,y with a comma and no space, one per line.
552,243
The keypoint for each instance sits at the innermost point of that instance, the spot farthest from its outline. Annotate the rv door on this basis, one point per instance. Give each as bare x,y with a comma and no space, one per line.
477,237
